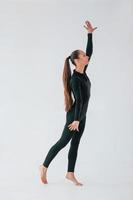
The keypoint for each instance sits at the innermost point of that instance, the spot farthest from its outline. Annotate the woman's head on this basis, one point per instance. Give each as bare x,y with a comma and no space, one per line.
80,59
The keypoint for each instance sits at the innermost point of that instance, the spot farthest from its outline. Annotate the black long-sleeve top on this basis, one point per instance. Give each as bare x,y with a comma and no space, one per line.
80,86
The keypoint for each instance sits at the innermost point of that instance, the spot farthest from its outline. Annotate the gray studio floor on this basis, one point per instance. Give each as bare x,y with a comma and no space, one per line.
23,185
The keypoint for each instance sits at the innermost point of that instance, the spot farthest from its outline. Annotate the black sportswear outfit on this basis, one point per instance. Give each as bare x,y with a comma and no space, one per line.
80,86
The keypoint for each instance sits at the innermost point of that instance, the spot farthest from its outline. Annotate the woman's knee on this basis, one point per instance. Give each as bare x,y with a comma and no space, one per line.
62,142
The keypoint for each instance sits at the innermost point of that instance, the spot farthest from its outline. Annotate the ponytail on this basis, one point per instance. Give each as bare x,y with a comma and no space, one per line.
66,78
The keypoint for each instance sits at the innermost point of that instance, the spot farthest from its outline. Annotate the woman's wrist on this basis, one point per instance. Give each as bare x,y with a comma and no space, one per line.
76,121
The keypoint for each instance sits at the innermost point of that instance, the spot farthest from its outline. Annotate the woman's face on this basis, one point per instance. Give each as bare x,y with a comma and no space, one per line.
83,58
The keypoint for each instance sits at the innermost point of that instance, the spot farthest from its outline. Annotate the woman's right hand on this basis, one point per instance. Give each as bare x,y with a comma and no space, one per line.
89,27
74,125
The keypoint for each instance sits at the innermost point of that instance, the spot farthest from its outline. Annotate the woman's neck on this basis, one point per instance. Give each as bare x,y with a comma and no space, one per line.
79,70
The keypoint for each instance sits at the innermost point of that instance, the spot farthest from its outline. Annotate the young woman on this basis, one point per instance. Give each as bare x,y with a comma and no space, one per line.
79,85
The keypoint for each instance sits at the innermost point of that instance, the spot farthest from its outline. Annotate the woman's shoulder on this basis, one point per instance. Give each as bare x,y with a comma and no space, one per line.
75,79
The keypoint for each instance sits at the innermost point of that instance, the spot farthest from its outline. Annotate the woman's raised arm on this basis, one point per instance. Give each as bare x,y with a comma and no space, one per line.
89,47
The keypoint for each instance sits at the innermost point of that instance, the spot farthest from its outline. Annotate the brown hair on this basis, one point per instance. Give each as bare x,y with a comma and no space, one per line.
66,78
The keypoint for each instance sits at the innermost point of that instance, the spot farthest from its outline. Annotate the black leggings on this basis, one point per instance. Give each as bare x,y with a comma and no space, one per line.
66,136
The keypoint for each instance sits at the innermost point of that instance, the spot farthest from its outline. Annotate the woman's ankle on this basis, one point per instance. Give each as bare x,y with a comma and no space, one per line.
44,166
70,173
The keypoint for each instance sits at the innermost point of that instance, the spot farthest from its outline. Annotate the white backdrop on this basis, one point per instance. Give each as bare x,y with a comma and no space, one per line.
35,38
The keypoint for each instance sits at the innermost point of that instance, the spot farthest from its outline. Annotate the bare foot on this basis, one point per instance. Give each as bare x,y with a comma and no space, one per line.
43,171
70,176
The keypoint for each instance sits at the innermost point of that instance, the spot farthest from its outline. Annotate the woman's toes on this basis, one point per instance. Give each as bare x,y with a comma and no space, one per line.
44,180
80,184
43,175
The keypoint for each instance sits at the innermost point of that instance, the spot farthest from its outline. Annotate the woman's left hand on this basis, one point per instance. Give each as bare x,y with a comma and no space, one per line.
74,125
89,27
